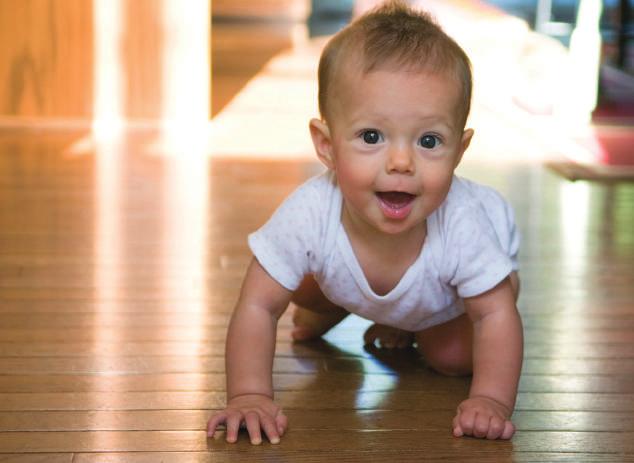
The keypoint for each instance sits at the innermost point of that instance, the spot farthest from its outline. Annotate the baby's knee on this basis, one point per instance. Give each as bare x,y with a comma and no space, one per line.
451,359
309,296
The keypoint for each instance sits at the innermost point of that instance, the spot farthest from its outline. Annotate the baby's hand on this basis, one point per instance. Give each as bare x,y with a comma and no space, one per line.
257,411
484,418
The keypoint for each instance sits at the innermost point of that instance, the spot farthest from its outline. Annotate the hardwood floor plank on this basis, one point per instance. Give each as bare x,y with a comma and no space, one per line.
375,382
193,364
160,333
37,458
303,420
404,456
428,382
314,440
309,399
344,348
126,320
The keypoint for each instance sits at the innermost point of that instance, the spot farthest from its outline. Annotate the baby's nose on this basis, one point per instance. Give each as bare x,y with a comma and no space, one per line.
400,160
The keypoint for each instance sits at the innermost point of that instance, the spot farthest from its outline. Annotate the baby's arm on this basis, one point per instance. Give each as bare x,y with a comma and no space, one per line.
497,362
249,359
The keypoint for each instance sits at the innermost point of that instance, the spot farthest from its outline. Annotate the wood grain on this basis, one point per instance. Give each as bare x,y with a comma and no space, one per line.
312,441
302,420
46,58
50,66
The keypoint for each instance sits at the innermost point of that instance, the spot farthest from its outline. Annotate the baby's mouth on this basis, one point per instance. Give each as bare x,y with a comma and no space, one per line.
395,204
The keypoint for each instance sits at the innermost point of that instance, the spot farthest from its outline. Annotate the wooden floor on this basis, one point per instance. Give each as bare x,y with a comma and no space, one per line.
118,271
120,265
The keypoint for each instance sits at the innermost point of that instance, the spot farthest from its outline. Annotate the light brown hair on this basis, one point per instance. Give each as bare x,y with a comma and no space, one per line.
395,36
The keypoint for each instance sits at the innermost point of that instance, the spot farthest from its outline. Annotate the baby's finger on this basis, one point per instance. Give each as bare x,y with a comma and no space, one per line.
253,426
509,430
467,422
214,421
233,425
270,429
496,427
282,423
481,425
457,429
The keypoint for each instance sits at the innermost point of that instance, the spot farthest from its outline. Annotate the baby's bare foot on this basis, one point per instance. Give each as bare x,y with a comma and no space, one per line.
388,337
312,325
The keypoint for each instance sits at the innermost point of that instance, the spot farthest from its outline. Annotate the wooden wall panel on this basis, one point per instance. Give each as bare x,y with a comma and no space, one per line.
46,58
142,45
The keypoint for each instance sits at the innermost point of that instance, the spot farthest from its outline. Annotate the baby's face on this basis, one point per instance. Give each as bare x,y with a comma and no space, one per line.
396,139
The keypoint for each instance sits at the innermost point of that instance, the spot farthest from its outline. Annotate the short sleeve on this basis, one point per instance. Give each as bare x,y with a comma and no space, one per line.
476,259
285,246
501,215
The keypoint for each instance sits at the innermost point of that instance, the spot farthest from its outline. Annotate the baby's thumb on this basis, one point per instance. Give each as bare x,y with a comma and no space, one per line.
282,423
457,429
509,430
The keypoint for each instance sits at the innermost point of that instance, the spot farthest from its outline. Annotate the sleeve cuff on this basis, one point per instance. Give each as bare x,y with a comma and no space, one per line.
486,282
270,262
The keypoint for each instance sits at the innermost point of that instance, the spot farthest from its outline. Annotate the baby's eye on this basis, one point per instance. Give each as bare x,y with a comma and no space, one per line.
371,137
429,141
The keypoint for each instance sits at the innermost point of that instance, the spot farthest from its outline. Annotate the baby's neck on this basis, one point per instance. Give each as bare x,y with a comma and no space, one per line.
385,258
379,243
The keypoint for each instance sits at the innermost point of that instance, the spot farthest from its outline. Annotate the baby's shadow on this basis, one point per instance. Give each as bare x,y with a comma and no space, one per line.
353,374
355,358
399,360
352,386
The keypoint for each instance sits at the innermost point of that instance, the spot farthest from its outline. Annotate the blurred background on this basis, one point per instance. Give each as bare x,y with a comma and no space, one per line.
562,71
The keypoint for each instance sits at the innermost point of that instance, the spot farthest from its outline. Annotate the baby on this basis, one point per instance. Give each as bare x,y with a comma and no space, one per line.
388,232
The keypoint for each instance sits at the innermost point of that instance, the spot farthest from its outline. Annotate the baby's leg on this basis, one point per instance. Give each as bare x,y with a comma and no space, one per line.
313,314
448,348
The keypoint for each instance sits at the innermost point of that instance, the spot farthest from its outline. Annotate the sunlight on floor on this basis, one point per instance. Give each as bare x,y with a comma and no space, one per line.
182,236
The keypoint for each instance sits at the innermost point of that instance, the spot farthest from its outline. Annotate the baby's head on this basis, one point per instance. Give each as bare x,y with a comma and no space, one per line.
393,37
394,96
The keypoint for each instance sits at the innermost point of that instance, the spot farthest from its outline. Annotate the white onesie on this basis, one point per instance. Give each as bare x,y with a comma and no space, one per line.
471,245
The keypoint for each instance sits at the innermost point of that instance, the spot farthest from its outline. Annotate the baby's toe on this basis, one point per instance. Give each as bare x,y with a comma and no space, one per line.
388,337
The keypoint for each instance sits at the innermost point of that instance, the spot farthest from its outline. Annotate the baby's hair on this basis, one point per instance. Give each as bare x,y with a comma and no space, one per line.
395,36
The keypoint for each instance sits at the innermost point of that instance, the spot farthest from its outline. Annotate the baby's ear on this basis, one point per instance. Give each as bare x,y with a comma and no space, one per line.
320,134
467,135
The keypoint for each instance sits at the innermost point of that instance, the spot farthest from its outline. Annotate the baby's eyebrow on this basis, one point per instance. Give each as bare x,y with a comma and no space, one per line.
437,123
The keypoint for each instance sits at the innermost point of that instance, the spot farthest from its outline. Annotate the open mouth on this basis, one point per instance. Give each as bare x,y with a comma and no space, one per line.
395,204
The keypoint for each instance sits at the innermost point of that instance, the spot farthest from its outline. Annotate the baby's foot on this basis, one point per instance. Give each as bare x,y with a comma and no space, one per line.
388,337
312,325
